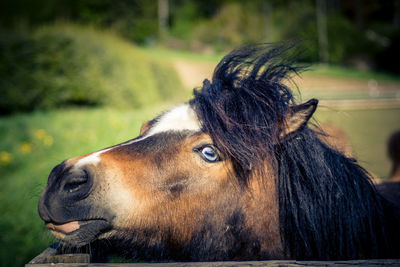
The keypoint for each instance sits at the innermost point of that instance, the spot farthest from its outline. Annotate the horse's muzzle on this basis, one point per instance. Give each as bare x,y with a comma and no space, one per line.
67,208
67,188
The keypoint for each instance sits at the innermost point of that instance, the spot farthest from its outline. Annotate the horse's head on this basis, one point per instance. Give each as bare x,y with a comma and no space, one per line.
163,182
170,184
234,173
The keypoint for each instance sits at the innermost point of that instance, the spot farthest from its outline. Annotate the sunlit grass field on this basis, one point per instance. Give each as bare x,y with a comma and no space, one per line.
31,144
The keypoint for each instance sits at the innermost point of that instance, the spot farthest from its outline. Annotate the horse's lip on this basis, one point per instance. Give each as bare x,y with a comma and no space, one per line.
63,228
80,232
71,226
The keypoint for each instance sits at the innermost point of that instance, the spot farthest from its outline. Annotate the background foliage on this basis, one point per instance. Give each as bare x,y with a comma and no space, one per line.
64,64
360,32
45,65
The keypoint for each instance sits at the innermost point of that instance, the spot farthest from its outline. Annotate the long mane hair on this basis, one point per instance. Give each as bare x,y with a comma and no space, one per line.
328,207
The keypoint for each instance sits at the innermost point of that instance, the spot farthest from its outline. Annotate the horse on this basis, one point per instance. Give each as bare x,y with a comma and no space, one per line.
236,173
391,188
393,150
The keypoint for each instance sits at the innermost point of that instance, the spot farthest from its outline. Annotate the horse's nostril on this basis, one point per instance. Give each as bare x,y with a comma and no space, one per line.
75,183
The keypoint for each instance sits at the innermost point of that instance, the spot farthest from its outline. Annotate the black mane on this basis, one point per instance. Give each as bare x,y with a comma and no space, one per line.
329,209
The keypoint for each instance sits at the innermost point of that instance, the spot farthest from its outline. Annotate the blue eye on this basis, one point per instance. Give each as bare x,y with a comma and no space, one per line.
208,153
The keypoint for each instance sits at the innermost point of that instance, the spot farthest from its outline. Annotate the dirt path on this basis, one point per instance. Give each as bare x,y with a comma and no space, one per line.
333,92
193,74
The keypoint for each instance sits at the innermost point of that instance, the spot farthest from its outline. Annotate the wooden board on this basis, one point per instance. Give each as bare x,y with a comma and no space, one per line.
49,258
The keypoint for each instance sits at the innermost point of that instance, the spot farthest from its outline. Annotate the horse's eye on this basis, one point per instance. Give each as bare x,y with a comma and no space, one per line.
208,153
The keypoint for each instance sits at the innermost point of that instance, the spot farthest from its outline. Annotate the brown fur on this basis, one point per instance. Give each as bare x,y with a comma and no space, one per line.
175,195
145,127
176,198
262,210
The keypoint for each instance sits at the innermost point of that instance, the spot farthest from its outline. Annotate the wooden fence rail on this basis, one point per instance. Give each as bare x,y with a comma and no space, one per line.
48,258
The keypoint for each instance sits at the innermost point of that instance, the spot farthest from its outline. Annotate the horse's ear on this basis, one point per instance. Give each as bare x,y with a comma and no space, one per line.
145,127
297,118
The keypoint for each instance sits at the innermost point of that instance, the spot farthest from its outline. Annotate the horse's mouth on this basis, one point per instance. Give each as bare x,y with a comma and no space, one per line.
78,233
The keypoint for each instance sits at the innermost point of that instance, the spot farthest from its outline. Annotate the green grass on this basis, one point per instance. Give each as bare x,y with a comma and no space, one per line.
38,141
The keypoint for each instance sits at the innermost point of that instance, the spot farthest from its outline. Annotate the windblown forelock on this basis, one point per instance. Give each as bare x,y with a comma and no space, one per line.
247,98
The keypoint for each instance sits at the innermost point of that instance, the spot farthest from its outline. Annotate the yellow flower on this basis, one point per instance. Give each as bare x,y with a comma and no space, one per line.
48,140
44,137
5,158
40,134
26,148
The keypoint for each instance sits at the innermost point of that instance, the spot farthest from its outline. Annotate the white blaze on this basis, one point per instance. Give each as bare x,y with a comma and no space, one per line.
91,159
179,118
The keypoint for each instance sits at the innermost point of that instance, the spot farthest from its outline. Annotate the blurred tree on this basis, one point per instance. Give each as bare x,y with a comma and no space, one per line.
134,19
163,14
360,32
322,34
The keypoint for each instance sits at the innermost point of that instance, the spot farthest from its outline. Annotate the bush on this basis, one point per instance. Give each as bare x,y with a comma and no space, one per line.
63,65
